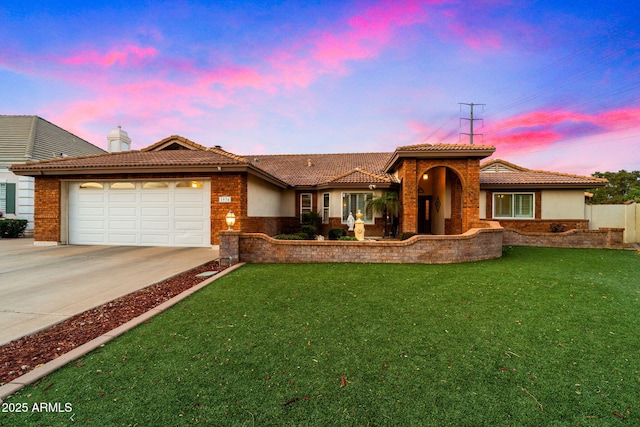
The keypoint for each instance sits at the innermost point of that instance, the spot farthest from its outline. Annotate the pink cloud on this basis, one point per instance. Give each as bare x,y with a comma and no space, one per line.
129,55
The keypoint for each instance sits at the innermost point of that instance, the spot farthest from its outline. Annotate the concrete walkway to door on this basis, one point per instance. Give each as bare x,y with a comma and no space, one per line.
43,285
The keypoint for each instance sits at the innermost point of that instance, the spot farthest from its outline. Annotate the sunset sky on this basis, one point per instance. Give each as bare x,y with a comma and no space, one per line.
560,80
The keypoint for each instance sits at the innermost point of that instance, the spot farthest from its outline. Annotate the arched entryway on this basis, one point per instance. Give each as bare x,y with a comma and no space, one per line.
439,201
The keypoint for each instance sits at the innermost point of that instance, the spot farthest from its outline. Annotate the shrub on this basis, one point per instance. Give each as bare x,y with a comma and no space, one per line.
288,237
407,235
336,233
12,228
348,238
309,230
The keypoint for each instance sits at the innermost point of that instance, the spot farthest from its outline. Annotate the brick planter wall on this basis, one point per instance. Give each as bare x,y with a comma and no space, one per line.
610,238
474,245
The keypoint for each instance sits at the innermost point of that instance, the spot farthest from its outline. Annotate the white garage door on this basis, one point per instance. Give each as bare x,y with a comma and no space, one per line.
140,213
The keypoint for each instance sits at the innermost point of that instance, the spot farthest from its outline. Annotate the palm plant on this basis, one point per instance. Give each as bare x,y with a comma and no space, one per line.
388,205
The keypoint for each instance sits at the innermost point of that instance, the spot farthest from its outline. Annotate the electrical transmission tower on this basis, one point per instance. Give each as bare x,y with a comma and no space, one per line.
471,120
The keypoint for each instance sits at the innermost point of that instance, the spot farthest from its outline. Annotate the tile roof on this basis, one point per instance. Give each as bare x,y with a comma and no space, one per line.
317,169
522,177
298,170
445,147
136,159
187,144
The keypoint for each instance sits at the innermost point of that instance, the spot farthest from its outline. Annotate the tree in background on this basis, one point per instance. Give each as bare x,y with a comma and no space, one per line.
623,186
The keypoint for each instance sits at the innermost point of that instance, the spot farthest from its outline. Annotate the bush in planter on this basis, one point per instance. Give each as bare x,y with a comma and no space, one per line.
336,233
348,238
12,228
309,230
288,237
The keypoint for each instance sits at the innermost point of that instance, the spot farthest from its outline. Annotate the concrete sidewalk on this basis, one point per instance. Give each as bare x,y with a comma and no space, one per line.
42,285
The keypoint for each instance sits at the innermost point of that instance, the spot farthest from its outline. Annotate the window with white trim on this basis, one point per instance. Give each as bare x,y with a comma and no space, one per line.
354,202
7,198
306,204
325,208
513,205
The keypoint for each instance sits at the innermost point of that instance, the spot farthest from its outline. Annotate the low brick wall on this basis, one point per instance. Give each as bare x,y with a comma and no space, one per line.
610,238
474,245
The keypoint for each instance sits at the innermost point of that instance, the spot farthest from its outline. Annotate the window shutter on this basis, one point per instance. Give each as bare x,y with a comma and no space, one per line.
11,198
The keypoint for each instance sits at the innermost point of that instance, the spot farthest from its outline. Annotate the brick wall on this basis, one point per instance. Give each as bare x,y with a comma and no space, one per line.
47,209
463,174
474,245
543,225
610,238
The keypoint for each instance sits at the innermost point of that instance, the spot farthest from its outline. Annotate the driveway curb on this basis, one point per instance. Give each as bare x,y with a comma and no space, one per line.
19,383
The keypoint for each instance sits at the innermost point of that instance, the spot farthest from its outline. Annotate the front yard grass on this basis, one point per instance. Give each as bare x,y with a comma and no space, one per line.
539,337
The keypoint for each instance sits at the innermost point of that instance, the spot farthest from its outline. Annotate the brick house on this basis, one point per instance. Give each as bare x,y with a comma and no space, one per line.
177,192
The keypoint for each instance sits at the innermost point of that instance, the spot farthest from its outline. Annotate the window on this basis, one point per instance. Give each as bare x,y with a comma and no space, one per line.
91,186
352,202
155,185
513,205
325,208
7,198
123,186
189,184
306,204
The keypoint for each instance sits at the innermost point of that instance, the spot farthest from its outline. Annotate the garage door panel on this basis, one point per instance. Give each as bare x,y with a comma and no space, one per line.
156,212
190,211
155,225
91,211
129,225
122,239
147,215
155,239
194,196
91,239
122,197
122,211
91,196
189,225
155,197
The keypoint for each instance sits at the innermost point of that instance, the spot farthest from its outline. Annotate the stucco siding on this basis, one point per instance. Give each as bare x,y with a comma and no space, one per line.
264,199
483,205
562,204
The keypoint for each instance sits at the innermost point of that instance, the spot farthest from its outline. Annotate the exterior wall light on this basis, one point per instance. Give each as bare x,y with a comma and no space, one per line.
230,218
425,176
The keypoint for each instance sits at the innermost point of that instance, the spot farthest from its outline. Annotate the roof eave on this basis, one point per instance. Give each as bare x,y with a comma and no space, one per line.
529,186
448,154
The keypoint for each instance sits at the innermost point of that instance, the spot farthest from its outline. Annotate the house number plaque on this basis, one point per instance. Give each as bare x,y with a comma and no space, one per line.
224,199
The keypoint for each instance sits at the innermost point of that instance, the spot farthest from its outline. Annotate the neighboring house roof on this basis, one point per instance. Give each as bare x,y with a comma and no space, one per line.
499,174
25,138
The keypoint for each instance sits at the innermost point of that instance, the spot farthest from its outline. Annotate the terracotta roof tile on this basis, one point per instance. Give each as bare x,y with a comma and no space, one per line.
315,169
445,147
534,178
136,158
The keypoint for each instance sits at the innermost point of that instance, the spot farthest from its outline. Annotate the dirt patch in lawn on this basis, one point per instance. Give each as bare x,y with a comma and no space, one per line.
25,354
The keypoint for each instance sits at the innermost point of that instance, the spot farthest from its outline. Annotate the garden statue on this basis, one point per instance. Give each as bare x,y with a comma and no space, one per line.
350,221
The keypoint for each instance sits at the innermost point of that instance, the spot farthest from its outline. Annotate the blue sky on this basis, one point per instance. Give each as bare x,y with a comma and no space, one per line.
560,80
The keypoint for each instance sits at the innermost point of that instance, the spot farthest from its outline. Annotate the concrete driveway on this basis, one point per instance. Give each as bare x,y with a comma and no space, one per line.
42,285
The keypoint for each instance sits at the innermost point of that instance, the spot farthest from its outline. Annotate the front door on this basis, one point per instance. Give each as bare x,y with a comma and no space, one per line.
424,214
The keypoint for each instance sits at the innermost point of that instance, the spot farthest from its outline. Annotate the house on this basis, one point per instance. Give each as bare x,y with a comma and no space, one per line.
177,192
25,139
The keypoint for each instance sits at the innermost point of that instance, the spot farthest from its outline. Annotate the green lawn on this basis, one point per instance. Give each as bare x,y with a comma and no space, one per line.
540,337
